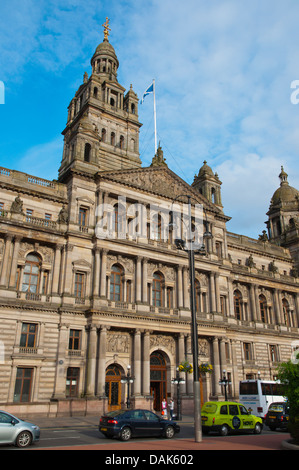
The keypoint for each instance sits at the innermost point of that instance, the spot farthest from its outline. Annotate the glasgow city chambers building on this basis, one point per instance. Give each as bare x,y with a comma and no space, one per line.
81,308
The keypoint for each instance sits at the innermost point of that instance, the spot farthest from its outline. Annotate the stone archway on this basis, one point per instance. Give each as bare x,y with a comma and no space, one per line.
113,386
158,378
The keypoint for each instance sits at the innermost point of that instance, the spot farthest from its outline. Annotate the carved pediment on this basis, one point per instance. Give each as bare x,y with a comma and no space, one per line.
157,180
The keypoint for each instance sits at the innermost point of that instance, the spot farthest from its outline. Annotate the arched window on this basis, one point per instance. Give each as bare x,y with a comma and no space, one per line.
112,141
87,151
31,277
263,308
116,283
237,304
157,290
103,135
122,142
95,92
133,108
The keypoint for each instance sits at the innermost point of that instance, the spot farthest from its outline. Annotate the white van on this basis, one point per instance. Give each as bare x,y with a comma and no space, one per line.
259,394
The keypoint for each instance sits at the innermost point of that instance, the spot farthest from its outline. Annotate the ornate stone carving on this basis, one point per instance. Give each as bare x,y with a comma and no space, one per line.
165,341
118,342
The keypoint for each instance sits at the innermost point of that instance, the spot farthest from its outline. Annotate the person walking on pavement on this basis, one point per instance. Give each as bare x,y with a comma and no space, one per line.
164,408
171,408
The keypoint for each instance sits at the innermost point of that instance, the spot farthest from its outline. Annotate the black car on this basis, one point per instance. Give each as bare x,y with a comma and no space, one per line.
125,424
277,415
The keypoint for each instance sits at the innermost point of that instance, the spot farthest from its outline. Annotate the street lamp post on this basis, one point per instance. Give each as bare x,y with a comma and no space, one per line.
178,381
128,379
181,244
224,381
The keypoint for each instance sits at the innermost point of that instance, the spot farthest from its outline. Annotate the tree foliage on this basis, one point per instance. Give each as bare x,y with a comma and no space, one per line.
288,374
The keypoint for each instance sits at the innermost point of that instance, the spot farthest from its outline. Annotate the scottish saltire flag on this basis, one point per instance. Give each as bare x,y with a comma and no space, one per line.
149,90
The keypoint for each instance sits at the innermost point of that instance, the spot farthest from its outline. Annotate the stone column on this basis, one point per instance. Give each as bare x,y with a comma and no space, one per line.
103,273
180,286
217,293
144,281
186,288
146,364
222,355
5,261
217,389
56,270
235,377
277,306
102,362
138,279
181,357
60,382
96,275
212,292
137,362
252,303
91,361
14,264
189,357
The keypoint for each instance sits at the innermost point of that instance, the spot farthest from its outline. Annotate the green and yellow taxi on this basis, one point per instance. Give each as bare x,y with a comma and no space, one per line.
228,416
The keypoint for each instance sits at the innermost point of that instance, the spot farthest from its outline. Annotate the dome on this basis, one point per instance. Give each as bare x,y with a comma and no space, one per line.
105,49
205,170
285,193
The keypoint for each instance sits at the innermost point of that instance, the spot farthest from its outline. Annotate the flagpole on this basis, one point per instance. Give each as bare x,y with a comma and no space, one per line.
155,117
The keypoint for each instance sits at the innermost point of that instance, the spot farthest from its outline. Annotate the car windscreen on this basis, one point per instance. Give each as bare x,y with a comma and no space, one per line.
209,408
278,407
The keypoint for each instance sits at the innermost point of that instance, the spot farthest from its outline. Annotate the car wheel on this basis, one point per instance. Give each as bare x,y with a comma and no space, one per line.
224,430
258,428
169,432
24,439
125,434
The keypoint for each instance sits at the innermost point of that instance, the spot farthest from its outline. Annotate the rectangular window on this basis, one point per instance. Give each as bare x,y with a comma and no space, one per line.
75,340
273,353
247,351
28,335
83,213
79,285
72,382
23,385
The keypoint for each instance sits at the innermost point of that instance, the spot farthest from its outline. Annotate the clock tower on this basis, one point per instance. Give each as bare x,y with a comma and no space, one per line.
102,130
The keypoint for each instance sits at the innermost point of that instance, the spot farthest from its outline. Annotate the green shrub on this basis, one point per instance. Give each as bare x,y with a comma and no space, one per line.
288,374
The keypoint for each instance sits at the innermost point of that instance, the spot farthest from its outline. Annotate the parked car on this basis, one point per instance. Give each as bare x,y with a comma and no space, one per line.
225,417
16,431
125,424
277,415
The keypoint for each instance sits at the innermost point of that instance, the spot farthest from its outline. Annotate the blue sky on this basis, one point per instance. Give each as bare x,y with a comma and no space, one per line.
223,71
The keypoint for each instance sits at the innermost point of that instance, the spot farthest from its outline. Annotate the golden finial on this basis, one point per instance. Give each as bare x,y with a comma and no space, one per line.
106,29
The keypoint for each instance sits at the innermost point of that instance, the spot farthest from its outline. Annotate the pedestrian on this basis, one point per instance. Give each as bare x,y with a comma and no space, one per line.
171,408
164,408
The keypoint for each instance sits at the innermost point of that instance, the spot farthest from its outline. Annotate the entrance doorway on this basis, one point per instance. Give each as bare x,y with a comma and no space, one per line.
113,387
158,379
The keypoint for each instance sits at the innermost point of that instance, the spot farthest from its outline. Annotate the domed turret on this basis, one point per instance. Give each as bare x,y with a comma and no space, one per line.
104,62
208,184
285,193
283,215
